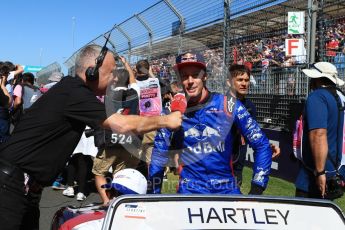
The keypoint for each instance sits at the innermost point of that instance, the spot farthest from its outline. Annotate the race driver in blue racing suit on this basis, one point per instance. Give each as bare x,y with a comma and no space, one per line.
205,140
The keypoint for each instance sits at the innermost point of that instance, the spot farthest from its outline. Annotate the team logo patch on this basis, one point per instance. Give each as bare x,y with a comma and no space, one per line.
259,176
231,104
201,132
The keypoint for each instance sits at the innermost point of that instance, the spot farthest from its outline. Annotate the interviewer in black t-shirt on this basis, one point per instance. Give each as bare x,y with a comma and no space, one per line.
49,131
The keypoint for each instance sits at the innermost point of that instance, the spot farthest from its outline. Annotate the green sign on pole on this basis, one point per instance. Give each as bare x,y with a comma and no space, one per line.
296,22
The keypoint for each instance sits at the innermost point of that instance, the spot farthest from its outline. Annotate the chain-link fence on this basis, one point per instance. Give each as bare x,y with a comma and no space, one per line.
252,32
43,75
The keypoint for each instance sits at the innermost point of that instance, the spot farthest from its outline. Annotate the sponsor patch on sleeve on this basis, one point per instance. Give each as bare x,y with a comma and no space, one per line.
229,104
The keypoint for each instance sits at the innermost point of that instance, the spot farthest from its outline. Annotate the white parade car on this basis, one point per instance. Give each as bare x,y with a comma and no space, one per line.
203,212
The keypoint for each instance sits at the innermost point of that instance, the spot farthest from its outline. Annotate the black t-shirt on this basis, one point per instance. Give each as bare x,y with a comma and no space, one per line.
49,131
3,99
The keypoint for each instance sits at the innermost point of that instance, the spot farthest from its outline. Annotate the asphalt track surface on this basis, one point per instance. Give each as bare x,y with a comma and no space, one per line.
53,200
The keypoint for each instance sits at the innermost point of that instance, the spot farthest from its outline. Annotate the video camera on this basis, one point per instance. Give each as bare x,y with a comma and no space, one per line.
89,132
102,137
99,136
335,187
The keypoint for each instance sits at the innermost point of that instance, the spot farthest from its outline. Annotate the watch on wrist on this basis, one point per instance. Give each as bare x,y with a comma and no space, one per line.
317,174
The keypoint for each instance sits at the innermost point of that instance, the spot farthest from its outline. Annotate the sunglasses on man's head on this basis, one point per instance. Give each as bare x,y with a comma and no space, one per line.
191,58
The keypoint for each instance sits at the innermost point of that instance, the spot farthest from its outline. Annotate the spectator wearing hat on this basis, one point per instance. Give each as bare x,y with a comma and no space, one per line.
205,141
322,139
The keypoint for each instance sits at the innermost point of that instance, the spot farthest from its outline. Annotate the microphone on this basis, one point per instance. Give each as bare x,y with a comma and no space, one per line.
179,103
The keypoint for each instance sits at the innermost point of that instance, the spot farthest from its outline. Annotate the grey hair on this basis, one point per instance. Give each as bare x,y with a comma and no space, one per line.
86,58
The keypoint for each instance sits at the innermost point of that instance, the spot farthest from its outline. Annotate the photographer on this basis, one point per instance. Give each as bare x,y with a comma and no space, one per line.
14,70
5,103
322,135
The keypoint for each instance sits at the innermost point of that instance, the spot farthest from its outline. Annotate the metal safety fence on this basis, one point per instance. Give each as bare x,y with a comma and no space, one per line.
276,92
279,81
252,32
43,75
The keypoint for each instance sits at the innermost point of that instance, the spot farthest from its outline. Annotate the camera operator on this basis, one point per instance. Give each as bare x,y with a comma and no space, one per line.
14,77
50,130
322,142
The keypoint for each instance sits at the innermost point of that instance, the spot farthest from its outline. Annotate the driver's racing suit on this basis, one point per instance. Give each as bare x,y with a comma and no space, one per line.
205,143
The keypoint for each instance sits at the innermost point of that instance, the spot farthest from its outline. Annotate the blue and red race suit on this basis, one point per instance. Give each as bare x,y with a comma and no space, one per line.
205,144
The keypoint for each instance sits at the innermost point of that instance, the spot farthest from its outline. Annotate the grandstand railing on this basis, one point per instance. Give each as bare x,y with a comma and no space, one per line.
337,58
277,94
279,81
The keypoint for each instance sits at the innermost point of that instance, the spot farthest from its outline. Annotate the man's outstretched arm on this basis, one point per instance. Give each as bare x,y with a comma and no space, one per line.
139,124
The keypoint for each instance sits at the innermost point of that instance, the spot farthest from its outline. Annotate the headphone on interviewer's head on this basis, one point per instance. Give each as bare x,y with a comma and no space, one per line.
92,73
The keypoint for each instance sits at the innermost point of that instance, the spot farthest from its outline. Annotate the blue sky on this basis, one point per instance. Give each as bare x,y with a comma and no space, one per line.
40,32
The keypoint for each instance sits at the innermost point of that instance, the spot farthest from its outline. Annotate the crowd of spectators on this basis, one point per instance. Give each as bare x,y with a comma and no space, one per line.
265,52
334,38
162,66
14,82
10,76
251,53
269,51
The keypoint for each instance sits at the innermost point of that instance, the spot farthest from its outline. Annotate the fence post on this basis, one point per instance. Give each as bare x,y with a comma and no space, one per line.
226,42
129,41
150,33
312,14
181,19
321,32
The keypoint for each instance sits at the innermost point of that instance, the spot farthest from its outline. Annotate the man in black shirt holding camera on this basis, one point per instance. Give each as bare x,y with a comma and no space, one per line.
49,131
